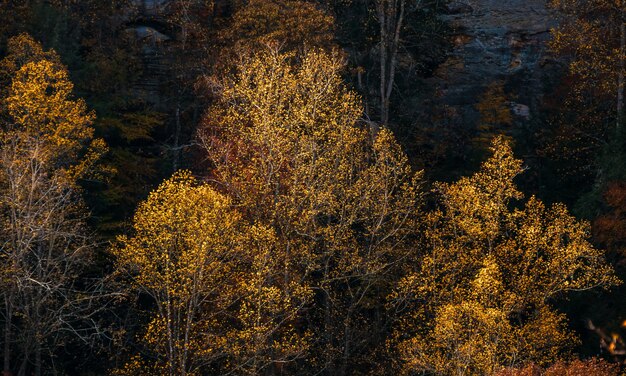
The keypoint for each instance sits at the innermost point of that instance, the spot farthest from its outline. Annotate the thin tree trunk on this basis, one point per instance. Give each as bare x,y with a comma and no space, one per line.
346,344
177,136
393,61
620,81
6,364
23,366
391,19
38,358
166,310
382,19
327,323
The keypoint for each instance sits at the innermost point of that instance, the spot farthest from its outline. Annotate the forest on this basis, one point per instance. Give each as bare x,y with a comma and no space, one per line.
312,187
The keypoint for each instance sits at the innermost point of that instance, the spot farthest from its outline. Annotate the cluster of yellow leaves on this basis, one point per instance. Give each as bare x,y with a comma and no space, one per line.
215,279
291,23
41,109
22,49
480,296
495,113
285,141
589,34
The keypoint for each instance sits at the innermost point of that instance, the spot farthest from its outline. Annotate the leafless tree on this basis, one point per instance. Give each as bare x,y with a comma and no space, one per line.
45,247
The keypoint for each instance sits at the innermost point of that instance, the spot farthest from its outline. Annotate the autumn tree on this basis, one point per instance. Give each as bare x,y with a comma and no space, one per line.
286,143
292,24
495,114
610,228
98,43
47,145
480,297
593,35
22,49
588,103
221,301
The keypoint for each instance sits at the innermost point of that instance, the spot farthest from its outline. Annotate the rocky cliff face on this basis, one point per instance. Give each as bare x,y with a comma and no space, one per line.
496,41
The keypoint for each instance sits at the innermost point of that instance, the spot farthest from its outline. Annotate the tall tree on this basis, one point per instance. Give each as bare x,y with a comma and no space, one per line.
593,34
286,143
46,146
495,114
221,300
190,50
480,297
391,16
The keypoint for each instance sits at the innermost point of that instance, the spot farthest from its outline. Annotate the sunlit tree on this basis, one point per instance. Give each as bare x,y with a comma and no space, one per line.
593,35
220,298
46,146
286,143
292,24
480,298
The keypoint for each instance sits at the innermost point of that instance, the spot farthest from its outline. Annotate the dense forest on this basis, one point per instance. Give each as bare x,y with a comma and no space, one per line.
312,187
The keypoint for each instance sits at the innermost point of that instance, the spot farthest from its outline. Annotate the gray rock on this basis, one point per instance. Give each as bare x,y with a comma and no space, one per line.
458,7
496,40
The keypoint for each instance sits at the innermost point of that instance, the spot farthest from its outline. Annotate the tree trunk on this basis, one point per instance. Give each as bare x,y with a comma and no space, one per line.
393,58
23,366
177,136
382,19
391,18
620,80
6,364
346,345
328,328
38,358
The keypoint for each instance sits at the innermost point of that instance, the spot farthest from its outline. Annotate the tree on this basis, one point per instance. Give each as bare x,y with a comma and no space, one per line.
610,228
480,297
293,24
22,49
286,143
592,38
593,34
220,299
495,114
391,16
46,146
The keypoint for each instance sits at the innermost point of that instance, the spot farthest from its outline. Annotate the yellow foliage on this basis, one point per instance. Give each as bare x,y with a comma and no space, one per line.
495,113
22,49
589,35
215,280
38,102
294,25
286,142
480,296
42,111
